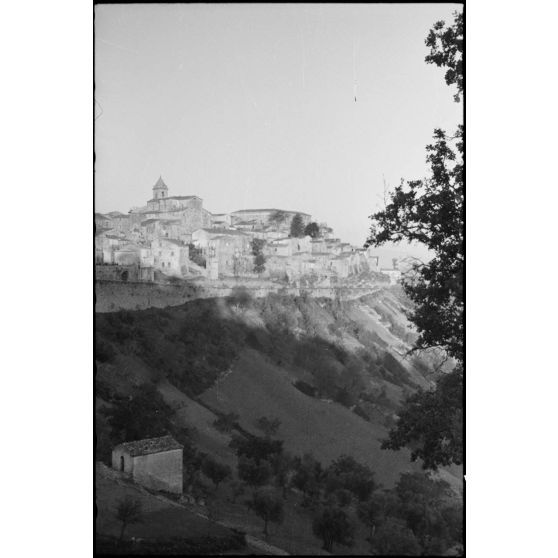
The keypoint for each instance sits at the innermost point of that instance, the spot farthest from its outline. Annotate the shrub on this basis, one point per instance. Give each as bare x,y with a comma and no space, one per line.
394,538
104,351
226,422
268,425
305,388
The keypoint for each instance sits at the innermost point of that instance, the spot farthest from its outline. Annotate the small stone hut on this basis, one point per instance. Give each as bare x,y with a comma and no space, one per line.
155,463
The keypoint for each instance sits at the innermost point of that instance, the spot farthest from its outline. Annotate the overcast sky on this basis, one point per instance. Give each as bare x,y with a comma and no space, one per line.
253,106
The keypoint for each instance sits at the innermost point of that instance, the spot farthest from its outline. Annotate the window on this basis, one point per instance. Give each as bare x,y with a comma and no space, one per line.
172,253
122,463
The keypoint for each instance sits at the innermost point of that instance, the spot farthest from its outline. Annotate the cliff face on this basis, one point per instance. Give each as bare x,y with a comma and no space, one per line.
334,372
111,296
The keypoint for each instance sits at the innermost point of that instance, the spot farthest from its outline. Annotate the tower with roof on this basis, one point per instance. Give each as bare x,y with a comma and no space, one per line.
160,190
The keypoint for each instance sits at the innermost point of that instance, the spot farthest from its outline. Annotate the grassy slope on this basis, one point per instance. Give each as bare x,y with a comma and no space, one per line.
256,387
162,517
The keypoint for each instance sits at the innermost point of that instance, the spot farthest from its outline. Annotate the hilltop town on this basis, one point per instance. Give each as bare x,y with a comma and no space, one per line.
176,237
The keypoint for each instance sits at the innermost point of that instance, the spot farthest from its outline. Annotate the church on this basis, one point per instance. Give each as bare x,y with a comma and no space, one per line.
186,211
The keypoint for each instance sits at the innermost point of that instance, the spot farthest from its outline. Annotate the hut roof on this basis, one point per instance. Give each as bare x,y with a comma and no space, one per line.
151,445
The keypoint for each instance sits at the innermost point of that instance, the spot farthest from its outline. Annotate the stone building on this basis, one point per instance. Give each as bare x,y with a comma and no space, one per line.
202,237
231,252
126,254
263,216
221,220
155,463
170,256
103,221
188,210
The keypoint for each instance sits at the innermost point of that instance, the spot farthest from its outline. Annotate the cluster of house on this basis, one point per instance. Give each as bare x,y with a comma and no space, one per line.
178,237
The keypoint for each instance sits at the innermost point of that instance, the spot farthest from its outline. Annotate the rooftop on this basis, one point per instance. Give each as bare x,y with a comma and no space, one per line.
150,445
268,210
160,185
225,232
172,241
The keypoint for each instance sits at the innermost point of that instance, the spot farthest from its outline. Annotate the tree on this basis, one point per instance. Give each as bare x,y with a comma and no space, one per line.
431,424
312,229
143,415
421,499
346,473
370,513
278,217
268,426
308,474
252,472
240,296
195,255
283,469
237,489
215,471
297,226
394,538
257,245
267,505
446,50
343,496
332,525
257,448
128,511
431,212
259,264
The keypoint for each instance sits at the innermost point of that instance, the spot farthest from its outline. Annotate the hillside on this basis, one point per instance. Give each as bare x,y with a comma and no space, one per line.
332,372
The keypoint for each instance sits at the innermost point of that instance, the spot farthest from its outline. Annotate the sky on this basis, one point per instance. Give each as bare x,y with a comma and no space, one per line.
253,106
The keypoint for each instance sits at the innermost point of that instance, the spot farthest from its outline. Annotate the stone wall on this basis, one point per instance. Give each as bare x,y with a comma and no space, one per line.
111,296
160,471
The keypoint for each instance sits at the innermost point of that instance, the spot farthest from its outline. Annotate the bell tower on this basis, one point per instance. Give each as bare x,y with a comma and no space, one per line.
160,190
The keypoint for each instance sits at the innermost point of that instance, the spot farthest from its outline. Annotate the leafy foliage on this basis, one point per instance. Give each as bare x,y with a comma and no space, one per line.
128,511
312,229
215,471
268,426
278,217
297,226
308,474
104,351
431,423
191,345
431,212
144,415
195,254
257,448
394,538
226,422
252,472
446,50
346,473
332,525
257,245
267,505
